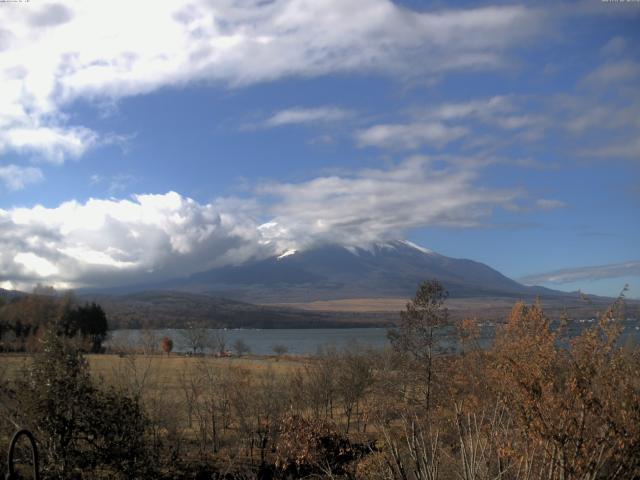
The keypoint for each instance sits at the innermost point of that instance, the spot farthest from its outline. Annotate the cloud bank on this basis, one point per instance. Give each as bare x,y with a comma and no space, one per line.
52,54
599,272
151,237
106,242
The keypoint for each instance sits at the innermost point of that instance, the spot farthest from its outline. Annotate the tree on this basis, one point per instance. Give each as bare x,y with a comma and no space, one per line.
354,377
279,350
416,329
88,320
195,337
218,340
321,375
148,341
167,345
241,347
79,427
95,326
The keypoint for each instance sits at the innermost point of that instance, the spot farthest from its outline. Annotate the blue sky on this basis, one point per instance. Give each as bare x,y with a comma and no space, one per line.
214,132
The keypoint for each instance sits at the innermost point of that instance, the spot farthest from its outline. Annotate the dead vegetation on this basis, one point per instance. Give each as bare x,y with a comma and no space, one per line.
535,405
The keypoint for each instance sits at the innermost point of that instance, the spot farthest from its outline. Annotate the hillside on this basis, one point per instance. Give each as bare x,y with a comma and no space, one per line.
333,272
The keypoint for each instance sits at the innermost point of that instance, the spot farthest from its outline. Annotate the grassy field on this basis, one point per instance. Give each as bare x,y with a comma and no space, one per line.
467,306
482,308
172,388
361,305
166,369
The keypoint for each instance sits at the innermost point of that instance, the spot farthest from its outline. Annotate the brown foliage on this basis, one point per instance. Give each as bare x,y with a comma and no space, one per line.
306,446
535,404
576,402
167,345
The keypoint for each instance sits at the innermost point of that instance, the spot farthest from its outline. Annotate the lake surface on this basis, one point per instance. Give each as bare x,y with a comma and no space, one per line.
308,341
296,341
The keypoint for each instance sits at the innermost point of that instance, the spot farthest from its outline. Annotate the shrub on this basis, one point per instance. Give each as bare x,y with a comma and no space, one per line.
79,427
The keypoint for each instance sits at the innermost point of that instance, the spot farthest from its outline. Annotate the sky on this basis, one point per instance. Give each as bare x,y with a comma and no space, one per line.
149,141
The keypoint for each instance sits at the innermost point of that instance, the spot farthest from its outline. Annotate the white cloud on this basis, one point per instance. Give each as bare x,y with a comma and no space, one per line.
409,136
106,242
569,275
504,112
614,72
483,108
441,124
16,177
373,205
605,122
153,237
53,54
295,116
52,145
615,46
627,149
36,265
114,184
549,204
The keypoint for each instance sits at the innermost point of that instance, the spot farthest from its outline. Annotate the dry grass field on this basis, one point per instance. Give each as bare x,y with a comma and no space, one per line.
162,371
484,308
395,305
361,305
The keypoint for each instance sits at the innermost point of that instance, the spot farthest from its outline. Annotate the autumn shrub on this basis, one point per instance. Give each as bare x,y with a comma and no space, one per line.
574,403
166,344
305,447
537,403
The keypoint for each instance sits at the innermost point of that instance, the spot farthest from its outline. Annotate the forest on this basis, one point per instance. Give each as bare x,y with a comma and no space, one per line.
25,319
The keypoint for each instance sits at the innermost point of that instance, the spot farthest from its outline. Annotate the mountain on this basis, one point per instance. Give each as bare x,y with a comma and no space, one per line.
385,270
7,295
328,286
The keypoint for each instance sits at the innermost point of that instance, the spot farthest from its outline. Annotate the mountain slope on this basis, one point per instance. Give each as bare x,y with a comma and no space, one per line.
330,286
391,269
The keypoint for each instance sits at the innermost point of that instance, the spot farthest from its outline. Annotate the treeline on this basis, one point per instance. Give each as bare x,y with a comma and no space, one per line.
534,405
25,319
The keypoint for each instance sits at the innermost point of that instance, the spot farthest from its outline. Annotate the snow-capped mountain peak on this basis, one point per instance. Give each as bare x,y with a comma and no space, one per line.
389,269
286,254
417,247
388,246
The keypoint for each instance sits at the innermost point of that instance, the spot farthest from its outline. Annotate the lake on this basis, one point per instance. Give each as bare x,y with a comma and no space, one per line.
299,341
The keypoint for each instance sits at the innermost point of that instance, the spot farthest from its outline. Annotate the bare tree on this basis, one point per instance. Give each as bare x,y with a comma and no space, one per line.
148,341
321,376
415,334
241,347
279,350
353,378
217,340
195,337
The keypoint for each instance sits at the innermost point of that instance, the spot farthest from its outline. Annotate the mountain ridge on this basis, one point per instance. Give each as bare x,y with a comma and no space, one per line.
328,286
331,272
